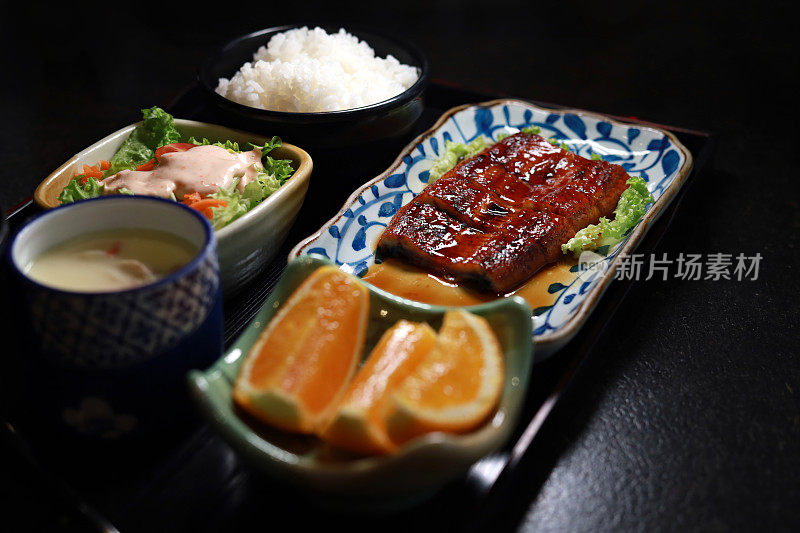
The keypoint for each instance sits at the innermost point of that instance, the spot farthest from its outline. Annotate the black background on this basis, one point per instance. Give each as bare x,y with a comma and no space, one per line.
687,414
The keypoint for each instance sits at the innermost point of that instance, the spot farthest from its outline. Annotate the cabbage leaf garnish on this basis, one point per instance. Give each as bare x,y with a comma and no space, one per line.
630,208
75,190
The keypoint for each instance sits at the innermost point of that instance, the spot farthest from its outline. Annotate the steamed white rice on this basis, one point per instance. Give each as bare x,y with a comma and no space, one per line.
304,70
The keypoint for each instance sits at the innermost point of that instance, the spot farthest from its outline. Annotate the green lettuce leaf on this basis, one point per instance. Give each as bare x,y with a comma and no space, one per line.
276,173
271,144
232,146
156,130
631,207
279,169
237,206
534,130
74,191
455,152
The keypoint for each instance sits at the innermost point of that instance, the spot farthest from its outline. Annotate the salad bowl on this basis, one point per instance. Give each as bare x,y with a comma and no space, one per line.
246,244
419,467
349,238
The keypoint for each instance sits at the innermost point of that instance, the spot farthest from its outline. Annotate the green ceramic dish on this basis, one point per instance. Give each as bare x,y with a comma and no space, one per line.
421,466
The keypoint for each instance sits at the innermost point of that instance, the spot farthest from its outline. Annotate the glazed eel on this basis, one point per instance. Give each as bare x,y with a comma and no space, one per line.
496,218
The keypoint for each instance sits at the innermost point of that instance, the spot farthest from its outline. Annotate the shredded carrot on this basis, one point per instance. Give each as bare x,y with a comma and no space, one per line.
150,165
205,205
105,165
191,198
209,202
92,172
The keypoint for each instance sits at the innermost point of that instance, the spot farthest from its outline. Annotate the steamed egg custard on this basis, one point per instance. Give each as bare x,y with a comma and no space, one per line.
111,260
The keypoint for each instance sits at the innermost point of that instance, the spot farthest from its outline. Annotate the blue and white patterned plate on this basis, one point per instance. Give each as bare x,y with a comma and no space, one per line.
349,238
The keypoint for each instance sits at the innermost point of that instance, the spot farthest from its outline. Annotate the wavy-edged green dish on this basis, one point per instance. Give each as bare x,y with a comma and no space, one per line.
417,469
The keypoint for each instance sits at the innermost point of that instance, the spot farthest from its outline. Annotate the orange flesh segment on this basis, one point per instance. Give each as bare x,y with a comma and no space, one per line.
309,351
397,354
446,380
327,353
455,387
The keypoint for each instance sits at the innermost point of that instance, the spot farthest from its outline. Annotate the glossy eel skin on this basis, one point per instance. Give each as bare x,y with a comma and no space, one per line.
498,217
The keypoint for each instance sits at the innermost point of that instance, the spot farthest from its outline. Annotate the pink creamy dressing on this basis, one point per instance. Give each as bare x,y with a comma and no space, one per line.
203,169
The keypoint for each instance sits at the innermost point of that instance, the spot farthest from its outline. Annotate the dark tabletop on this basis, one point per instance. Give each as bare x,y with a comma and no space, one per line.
686,415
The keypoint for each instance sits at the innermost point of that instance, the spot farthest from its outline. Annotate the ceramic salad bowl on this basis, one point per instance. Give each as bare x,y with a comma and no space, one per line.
423,464
246,244
349,238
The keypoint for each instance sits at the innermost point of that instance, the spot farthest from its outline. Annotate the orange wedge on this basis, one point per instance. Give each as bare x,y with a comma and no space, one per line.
300,365
359,421
455,387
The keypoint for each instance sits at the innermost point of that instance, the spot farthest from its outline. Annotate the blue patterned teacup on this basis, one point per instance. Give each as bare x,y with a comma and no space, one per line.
107,363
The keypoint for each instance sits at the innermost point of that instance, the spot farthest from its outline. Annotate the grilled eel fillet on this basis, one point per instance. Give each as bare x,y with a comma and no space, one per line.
495,219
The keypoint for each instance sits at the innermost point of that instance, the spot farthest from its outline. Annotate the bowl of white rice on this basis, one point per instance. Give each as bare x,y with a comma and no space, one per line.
319,86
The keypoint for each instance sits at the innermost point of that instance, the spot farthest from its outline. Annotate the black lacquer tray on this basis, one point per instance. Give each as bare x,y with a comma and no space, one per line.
187,478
